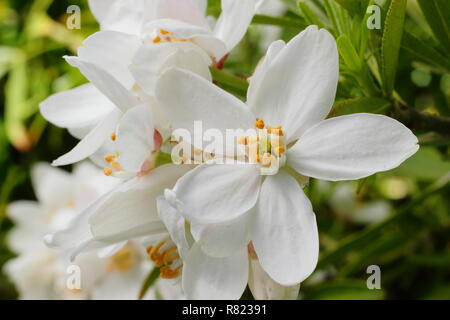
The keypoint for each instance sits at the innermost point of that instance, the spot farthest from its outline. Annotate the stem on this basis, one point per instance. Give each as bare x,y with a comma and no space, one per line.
417,120
230,80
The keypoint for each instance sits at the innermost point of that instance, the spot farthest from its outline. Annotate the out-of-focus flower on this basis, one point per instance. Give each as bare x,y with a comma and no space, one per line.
43,273
230,205
175,21
345,202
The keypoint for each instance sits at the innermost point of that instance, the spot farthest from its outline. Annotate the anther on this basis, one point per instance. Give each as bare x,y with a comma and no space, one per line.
107,171
259,123
113,136
109,158
116,165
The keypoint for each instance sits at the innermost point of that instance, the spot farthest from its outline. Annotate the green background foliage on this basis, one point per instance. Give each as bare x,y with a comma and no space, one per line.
401,70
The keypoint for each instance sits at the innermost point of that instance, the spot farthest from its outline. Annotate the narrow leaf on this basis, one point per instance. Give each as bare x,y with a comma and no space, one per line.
437,13
390,45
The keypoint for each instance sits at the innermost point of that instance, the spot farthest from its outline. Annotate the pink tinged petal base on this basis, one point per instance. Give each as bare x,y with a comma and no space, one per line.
352,147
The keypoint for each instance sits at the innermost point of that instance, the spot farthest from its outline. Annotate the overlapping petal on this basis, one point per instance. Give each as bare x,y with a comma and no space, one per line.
78,107
234,21
205,277
284,231
218,193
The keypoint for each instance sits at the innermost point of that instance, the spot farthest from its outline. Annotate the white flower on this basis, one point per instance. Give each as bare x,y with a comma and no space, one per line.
41,273
230,205
184,20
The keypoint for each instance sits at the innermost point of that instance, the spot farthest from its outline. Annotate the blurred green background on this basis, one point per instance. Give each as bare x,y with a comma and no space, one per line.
398,220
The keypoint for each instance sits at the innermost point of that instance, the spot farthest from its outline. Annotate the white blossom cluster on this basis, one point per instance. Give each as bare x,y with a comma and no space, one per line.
211,228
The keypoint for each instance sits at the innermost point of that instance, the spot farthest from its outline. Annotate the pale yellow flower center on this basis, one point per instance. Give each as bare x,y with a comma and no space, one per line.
266,147
123,260
166,36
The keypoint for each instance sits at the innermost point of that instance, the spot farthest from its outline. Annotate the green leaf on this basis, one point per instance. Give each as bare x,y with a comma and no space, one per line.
149,281
426,157
309,14
357,7
348,53
437,13
425,52
357,105
229,80
390,44
16,106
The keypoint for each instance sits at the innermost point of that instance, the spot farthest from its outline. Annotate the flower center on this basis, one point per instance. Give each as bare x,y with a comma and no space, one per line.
267,147
114,165
166,36
166,257
122,261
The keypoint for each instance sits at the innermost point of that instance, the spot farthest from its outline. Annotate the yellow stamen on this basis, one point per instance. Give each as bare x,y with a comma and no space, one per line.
116,165
107,171
109,158
164,32
259,123
113,136
167,272
157,39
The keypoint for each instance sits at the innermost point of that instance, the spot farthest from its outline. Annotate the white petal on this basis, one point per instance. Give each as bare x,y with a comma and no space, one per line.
234,21
30,224
207,278
78,107
152,60
186,98
284,232
105,82
261,71
204,38
81,132
203,5
264,288
92,142
120,15
352,147
131,210
222,239
218,193
53,186
121,48
300,84
111,250
175,224
100,8
135,138
187,11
